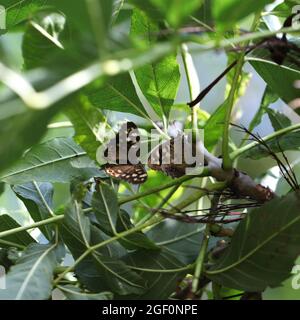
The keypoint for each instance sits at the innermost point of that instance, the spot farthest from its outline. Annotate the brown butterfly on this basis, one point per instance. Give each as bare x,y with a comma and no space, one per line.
126,139
164,157
166,151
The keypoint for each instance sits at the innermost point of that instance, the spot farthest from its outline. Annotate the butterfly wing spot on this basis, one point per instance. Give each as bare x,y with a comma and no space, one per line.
135,174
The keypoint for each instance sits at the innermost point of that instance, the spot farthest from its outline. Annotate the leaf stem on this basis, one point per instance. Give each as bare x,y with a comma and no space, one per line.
12,244
227,163
201,257
184,55
163,187
161,204
31,226
185,268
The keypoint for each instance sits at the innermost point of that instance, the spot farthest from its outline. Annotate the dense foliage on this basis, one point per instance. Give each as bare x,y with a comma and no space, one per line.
68,71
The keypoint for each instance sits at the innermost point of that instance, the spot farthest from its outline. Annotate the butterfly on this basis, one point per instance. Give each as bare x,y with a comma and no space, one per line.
164,157
126,139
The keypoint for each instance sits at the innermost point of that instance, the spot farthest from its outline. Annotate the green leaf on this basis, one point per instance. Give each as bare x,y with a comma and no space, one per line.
79,16
149,8
106,208
31,277
213,128
57,160
280,79
289,141
152,266
20,11
22,238
75,293
136,240
42,42
278,120
285,8
100,270
88,122
118,276
117,8
263,248
76,229
229,12
37,198
117,94
155,178
158,81
268,97
180,239
16,123
174,11
47,42
99,277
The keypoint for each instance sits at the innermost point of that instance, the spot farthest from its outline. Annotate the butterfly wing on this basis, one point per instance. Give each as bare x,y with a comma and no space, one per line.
135,174
169,166
132,173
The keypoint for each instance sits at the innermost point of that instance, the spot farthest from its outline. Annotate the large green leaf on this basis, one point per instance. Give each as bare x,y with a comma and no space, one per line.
57,160
22,238
153,266
136,240
75,293
263,248
159,81
47,42
181,239
37,198
280,79
106,208
229,12
31,277
116,94
100,270
76,229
